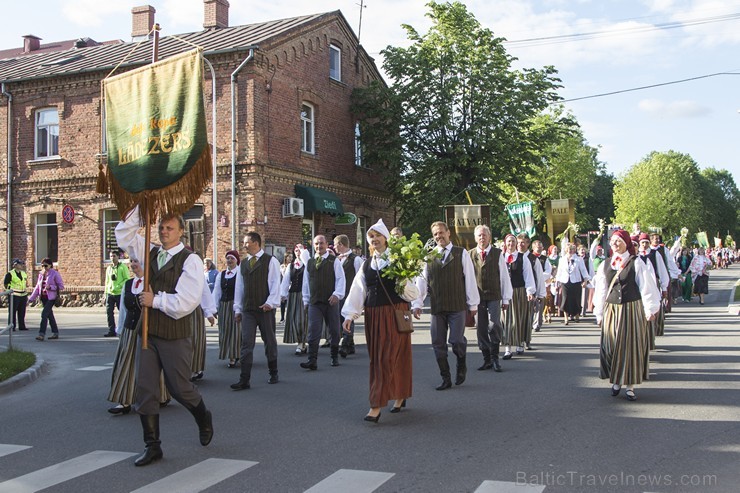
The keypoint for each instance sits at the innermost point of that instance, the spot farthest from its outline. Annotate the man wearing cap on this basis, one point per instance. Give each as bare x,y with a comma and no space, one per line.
16,281
256,296
229,333
116,275
453,289
323,288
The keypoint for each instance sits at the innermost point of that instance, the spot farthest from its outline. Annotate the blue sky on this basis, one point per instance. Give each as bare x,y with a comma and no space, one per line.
624,44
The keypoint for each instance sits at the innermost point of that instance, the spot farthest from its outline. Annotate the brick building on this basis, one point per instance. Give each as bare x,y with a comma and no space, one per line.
295,149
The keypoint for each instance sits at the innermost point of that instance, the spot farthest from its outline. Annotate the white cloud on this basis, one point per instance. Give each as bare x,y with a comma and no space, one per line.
673,109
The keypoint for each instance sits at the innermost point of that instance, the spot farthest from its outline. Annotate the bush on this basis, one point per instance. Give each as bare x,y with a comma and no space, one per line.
13,362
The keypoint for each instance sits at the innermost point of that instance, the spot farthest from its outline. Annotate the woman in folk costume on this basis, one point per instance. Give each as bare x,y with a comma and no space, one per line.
389,350
524,290
206,310
572,276
687,284
296,321
699,268
123,379
626,298
229,332
552,297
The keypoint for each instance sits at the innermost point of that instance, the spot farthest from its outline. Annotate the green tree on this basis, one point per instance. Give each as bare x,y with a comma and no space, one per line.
721,202
457,117
663,190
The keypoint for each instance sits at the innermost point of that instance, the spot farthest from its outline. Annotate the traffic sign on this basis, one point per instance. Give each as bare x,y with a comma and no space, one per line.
68,214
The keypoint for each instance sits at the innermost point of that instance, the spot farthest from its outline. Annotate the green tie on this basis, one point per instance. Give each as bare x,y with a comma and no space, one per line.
252,261
318,261
161,258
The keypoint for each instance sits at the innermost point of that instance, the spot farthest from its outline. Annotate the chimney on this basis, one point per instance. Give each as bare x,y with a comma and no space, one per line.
215,14
142,21
31,43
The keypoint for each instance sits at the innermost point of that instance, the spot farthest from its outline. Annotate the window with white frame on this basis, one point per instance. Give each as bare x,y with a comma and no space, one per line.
47,133
46,238
335,62
307,128
111,218
358,146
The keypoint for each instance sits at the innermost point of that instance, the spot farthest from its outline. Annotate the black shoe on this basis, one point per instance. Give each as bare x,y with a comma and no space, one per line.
615,390
164,403
120,410
22,329
395,409
111,334
54,336
342,352
196,377
486,366
351,350
309,365
232,365
151,453
334,361
273,379
446,384
529,347
372,419
630,394
496,366
240,385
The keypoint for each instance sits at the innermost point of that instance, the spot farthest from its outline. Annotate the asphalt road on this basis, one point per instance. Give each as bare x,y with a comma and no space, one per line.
547,423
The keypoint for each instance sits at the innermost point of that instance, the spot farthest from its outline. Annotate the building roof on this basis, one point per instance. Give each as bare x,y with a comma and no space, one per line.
106,56
53,47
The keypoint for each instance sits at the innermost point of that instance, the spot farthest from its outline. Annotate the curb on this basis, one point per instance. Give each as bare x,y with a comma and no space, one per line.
24,378
733,308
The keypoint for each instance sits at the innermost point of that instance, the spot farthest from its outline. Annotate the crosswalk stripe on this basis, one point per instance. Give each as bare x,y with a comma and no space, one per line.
94,368
198,477
64,471
7,449
508,487
351,480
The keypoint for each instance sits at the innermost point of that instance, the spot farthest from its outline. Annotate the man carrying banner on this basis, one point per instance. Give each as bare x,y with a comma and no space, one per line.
176,284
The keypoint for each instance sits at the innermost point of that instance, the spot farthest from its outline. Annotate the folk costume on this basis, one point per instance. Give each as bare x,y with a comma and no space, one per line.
519,314
229,332
296,319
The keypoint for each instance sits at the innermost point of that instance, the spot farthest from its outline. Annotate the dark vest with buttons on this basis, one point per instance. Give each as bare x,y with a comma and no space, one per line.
296,278
374,294
228,286
160,324
349,272
654,261
131,302
487,274
321,281
447,283
256,289
516,271
625,290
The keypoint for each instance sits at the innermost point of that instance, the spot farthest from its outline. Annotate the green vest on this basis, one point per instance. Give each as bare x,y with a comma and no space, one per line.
18,285
447,283
160,324
256,289
487,274
321,281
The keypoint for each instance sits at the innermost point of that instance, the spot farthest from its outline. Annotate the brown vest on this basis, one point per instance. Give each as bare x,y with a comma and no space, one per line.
487,274
160,324
447,283
256,289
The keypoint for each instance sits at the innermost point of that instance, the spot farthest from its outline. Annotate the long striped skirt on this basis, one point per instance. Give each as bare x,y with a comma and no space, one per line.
518,315
123,379
229,334
198,362
625,344
390,355
296,321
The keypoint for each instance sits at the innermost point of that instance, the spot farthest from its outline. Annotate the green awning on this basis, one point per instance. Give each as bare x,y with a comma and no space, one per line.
318,200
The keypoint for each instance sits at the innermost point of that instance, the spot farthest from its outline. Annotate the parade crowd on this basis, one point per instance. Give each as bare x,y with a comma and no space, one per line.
507,292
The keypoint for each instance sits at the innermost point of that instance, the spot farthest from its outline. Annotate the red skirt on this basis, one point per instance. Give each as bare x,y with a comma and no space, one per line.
390,355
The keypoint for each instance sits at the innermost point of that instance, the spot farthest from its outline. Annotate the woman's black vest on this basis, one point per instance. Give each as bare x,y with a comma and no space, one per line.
131,302
296,278
375,296
625,290
516,271
227,287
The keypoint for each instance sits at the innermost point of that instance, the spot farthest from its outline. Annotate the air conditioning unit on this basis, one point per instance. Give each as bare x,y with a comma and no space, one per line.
292,207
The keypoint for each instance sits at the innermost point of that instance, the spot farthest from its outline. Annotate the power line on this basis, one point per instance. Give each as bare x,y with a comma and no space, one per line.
646,87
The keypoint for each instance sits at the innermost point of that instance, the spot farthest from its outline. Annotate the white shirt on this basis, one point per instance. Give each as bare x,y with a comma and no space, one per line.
472,297
340,282
273,284
662,271
189,287
539,274
645,278
207,304
572,272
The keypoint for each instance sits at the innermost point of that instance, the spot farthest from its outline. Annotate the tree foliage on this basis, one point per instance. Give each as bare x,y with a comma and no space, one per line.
456,116
721,200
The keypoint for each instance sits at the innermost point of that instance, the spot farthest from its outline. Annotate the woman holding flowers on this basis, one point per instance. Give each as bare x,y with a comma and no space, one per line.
376,289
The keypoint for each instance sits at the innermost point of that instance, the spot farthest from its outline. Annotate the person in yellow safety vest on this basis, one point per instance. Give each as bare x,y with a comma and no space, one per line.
16,281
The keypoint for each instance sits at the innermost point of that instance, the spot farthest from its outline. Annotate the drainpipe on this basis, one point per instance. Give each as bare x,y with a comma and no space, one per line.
214,198
9,232
233,146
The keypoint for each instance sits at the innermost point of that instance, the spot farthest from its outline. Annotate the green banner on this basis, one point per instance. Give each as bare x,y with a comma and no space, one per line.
521,219
702,239
155,123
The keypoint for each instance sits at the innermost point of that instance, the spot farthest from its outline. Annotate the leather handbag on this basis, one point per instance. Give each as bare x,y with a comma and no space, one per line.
58,301
469,319
404,322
